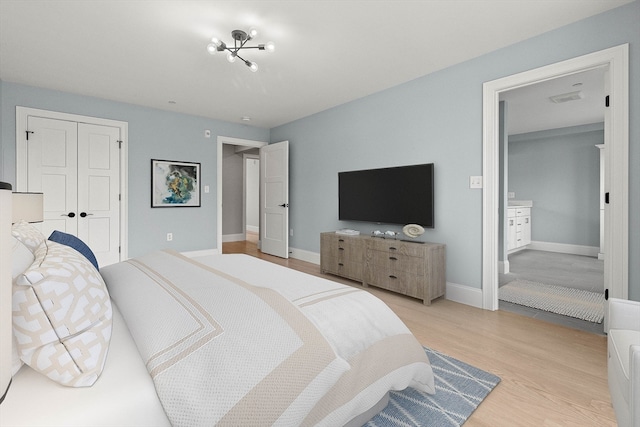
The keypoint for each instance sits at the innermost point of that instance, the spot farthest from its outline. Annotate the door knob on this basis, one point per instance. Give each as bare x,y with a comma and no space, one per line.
83,214
70,214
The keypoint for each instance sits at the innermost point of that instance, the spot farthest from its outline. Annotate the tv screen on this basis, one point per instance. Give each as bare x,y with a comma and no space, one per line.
396,195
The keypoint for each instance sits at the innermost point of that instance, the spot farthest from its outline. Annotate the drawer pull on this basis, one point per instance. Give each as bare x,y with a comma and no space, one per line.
391,276
392,248
341,264
340,240
392,258
341,249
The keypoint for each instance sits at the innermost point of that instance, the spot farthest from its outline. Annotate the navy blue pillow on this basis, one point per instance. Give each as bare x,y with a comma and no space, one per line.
75,243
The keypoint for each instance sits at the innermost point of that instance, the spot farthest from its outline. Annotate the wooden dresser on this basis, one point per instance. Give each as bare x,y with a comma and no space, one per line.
410,268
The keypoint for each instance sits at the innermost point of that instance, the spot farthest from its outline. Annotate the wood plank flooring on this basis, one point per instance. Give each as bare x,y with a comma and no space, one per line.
551,375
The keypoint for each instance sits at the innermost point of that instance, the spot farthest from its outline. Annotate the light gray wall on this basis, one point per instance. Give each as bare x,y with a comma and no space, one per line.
153,134
438,118
559,170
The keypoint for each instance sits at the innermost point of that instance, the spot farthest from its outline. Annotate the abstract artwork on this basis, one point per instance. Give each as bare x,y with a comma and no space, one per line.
175,184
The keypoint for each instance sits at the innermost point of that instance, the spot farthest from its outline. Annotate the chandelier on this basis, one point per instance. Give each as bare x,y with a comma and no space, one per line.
240,39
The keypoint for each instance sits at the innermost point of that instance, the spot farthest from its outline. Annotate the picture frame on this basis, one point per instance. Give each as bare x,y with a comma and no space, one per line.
175,184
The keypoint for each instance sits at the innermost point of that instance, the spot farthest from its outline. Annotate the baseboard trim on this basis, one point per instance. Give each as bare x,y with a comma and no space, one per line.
464,294
564,248
253,228
503,267
233,237
302,255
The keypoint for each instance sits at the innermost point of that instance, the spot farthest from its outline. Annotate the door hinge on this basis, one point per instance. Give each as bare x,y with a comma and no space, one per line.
606,197
28,132
606,294
119,144
606,101
119,249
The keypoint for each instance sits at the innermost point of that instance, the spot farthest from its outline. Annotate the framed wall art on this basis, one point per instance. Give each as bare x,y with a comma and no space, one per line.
174,184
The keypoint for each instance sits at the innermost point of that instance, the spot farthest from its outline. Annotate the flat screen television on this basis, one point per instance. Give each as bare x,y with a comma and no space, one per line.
395,195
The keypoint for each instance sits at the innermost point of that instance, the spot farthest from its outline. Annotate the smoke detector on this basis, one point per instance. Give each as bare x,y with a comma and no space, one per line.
566,97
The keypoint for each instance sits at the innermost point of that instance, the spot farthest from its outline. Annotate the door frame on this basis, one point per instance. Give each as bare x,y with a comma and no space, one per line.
22,113
617,220
231,141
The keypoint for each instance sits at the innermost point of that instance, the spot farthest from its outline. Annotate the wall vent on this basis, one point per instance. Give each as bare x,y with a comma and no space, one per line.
566,97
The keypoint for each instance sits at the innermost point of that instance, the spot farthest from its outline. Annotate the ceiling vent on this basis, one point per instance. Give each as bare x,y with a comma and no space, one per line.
566,97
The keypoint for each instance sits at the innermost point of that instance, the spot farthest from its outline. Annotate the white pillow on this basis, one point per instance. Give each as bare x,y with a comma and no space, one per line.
22,257
28,235
62,316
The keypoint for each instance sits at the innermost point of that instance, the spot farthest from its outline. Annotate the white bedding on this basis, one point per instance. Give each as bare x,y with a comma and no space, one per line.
284,348
124,394
241,341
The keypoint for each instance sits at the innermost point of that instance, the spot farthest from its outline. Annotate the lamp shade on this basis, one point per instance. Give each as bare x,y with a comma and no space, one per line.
28,207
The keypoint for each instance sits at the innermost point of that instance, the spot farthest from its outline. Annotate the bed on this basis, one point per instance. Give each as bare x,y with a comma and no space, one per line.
217,340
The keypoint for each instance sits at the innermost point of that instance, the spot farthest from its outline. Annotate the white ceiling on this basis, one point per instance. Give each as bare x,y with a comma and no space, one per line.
530,109
327,52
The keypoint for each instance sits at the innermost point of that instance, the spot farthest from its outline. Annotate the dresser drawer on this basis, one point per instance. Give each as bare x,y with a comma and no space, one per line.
397,247
399,281
395,262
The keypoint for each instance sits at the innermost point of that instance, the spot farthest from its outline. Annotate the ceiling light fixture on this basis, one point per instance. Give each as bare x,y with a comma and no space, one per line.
240,39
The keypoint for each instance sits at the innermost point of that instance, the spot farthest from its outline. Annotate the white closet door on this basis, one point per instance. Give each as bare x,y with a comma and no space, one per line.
53,170
99,190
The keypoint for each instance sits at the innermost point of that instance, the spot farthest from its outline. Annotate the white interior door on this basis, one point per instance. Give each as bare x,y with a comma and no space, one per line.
77,167
274,199
53,170
98,190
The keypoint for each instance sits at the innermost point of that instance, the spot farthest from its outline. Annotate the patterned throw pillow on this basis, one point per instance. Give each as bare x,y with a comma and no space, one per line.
62,316
27,234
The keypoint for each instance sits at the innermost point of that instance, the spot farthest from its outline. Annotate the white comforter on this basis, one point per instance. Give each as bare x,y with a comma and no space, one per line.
241,341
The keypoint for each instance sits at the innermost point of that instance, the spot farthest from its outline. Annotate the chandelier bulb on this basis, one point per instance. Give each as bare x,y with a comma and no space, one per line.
270,47
212,48
231,57
252,66
252,32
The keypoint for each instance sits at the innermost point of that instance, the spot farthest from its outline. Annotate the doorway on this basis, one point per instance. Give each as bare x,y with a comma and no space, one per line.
240,146
616,178
550,198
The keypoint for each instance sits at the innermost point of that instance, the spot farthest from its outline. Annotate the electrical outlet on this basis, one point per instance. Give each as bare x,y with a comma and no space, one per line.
475,182
169,237
511,195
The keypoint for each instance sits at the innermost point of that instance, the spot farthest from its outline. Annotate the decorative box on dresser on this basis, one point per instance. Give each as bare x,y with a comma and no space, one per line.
416,269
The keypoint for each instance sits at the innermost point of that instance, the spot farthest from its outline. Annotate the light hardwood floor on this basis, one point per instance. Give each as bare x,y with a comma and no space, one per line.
551,375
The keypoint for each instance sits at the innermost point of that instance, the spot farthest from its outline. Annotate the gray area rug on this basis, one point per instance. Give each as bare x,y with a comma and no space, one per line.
460,388
570,302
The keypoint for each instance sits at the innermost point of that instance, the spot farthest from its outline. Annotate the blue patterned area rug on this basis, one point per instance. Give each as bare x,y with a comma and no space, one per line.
460,388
